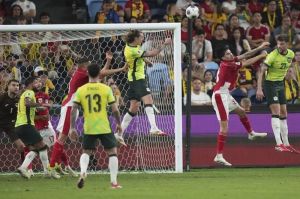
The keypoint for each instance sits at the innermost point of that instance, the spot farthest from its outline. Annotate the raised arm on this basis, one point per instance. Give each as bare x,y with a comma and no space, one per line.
250,53
154,52
252,60
105,71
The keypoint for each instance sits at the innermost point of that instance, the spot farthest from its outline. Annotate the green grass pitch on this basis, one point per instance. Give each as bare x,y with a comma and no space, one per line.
264,183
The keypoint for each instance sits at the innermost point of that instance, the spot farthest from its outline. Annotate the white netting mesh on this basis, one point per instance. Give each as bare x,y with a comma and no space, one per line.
57,52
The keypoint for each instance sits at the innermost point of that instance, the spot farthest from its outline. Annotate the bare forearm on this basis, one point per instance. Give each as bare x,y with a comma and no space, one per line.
250,53
260,75
117,116
252,60
73,116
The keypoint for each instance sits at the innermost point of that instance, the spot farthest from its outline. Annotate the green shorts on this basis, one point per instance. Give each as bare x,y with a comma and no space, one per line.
28,134
274,92
108,141
138,89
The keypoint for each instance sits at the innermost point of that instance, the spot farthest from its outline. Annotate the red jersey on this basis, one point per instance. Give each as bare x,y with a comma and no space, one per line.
227,75
42,98
78,79
258,33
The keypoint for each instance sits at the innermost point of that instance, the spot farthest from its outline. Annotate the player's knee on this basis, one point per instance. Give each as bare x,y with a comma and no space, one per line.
112,151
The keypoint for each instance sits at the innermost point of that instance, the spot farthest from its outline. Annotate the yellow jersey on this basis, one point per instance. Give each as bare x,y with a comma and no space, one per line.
25,114
134,58
94,98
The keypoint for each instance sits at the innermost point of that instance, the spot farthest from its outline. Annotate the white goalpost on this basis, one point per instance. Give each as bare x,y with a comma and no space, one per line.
56,49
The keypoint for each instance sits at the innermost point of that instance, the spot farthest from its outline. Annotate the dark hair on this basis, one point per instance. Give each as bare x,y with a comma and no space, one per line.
220,24
16,5
230,17
93,70
200,32
29,81
132,35
44,14
9,82
232,43
282,38
222,51
196,78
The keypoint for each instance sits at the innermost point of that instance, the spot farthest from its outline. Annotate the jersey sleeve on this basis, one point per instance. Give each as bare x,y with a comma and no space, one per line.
77,97
110,98
269,59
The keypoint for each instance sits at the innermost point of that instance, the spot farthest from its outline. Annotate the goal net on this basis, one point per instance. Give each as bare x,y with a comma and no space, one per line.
57,48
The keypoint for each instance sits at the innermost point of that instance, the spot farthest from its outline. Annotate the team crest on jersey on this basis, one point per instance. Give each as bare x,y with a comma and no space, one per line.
275,98
289,59
148,89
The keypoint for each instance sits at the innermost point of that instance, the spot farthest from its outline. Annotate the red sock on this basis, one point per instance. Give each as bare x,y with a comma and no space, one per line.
246,124
56,154
26,151
64,158
220,143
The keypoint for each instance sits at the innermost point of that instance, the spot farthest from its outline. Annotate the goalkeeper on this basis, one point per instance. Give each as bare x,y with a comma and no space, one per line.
138,89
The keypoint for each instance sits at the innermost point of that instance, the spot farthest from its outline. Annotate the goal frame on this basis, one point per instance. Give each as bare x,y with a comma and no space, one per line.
140,26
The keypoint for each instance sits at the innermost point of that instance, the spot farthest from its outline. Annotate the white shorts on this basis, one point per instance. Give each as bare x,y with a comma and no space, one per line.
48,135
65,119
223,104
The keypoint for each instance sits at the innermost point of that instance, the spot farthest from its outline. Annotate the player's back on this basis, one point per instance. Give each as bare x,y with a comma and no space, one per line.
78,79
134,58
94,98
227,75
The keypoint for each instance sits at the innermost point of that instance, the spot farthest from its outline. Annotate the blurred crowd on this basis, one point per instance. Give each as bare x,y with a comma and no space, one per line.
241,25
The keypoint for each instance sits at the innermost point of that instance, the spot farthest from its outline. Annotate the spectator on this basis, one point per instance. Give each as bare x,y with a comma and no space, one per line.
16,11
5,76
198,69
257,33
12,67
286,29
295,17
238,44
234,23
219,41
296,66
2,9
45,18
28,7
246,83
107,14
184,30
243,16
254,6
218,17
201,47
209,83
183,4
229,6
271,17
207,8
119,10
44,60
198,97
199,25
21,20
172,14
138,9
291,87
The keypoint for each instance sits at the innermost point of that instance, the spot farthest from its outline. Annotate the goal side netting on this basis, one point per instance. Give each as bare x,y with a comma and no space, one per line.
57,48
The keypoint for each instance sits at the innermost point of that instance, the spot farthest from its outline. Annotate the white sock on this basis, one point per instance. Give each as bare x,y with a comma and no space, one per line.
113,165
126,121
84,163
151,117
28,159
276,129
284,132
44,158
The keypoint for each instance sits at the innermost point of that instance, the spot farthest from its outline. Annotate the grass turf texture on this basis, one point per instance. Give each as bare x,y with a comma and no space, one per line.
256,183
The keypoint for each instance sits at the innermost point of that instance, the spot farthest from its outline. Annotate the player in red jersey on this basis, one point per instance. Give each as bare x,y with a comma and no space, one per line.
222,100
79,78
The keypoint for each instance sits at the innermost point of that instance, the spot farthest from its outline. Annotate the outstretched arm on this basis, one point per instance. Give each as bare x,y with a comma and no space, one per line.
252,60
154,52
250,53
105,71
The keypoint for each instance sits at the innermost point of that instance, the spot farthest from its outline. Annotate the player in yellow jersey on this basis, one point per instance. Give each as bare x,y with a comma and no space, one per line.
138,91
94,97
276,66
26,131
